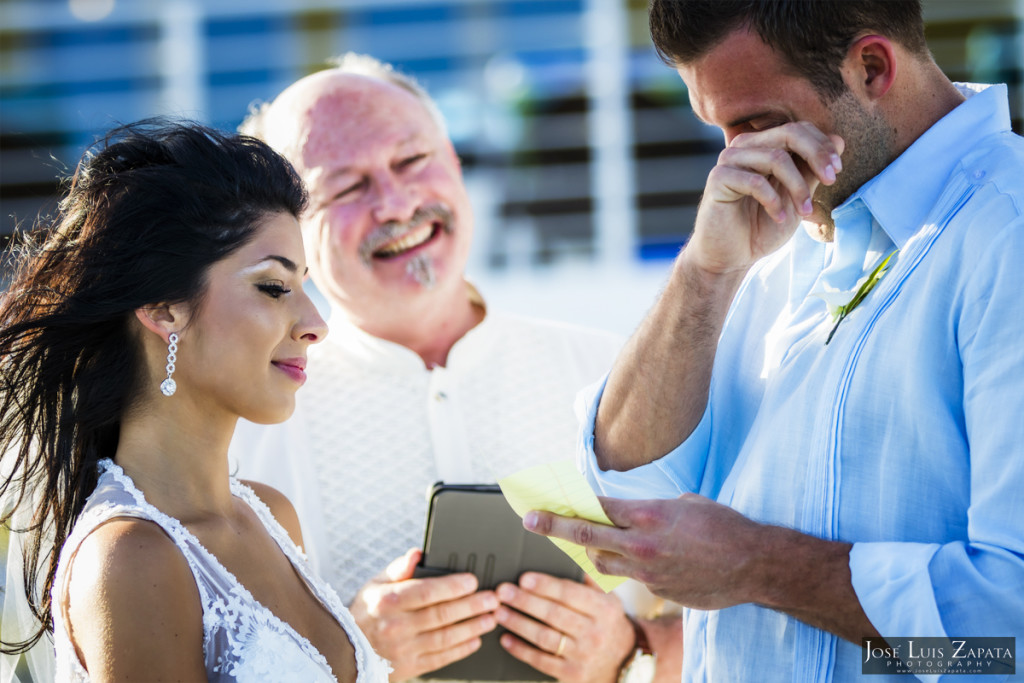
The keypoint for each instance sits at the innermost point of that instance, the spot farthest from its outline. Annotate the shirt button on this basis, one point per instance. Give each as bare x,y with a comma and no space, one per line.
978,175
440,396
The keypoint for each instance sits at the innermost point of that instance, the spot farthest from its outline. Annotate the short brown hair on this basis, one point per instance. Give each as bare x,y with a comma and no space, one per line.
813,35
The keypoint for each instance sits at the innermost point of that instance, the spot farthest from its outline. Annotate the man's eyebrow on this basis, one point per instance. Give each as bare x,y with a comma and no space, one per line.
352,168
333,175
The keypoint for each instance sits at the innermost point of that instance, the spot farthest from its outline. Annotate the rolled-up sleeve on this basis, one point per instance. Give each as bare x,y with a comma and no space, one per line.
675,473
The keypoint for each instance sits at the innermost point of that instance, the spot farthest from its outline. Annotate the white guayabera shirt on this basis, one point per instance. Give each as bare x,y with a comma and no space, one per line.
374,429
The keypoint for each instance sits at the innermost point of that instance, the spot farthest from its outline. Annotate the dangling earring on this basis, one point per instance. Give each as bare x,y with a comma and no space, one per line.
169,386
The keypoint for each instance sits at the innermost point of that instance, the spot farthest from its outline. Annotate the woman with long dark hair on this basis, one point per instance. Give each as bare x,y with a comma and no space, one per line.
164,302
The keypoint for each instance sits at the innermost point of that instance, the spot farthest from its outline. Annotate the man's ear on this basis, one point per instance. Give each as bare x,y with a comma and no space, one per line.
162,319
870,66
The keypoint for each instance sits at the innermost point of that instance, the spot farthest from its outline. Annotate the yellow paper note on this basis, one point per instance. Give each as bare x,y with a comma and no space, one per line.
557,487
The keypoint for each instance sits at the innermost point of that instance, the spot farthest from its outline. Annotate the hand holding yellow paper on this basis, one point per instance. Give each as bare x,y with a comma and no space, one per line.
557,487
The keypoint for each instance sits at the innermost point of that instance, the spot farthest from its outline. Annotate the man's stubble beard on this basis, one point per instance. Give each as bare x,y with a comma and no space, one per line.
870,144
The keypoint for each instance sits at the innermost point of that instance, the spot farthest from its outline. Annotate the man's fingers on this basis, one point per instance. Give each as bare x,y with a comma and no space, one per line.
452,636
540,660
817,150
584,599
620,511
821,152
447,613
840,145
402,568
579,531
416,594
558,616
432,661
539,634
611,564
733,184
423,624
774,163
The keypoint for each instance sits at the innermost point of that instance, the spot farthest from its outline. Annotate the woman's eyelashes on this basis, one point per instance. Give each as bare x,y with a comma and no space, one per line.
273,289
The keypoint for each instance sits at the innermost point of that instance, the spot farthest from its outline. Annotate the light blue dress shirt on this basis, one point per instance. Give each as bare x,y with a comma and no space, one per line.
904,435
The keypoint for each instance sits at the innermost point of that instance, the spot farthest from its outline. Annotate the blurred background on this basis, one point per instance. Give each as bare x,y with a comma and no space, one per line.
583,160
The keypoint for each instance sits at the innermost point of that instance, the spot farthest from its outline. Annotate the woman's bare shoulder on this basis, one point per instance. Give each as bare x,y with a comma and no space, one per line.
132,603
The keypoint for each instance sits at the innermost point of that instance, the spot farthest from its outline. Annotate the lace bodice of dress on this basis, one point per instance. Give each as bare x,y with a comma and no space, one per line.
242,640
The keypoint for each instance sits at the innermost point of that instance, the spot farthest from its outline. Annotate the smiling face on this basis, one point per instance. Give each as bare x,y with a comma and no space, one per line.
389,224
243,352
743,86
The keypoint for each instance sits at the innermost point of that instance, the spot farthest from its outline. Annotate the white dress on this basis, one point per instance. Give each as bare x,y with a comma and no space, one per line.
242,640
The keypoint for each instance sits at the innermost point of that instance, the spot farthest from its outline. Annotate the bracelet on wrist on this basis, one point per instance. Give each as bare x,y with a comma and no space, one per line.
638,667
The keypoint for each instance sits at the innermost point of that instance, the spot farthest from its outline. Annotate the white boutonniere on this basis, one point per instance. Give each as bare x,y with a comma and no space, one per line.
841,302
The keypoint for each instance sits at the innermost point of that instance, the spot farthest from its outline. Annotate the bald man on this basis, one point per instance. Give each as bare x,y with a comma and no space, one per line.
418,382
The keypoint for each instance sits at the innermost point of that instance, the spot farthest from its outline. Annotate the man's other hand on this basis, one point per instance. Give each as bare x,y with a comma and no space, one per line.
420,625
690,549
573,632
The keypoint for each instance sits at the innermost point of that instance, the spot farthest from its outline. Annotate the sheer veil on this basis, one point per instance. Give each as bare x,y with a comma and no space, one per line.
17,621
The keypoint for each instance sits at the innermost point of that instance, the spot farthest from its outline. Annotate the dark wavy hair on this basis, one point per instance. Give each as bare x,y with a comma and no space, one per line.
148,210
812,35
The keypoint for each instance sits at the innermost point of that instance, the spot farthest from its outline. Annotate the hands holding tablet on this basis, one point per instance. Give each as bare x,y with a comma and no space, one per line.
571,631
420,625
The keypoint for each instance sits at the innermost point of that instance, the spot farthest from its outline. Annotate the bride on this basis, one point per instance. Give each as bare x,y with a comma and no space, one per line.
164,303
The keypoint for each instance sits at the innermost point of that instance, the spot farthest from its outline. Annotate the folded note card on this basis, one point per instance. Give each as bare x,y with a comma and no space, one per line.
557,487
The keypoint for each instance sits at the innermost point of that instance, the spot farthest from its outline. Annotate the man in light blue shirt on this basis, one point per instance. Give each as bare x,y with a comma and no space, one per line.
825,402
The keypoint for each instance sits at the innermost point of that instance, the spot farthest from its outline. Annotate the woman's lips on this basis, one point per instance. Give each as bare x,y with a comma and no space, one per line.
293,367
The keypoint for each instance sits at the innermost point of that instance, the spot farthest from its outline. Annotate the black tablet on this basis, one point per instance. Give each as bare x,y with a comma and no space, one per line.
472,528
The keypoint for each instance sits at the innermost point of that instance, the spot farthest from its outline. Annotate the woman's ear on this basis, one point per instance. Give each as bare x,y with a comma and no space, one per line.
162,319
870,66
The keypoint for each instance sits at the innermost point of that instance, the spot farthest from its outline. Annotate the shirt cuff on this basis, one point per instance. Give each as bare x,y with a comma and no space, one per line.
673,474
894,586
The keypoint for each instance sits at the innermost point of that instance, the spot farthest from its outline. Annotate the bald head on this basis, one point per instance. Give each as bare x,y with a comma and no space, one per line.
318,119
389,223
275,122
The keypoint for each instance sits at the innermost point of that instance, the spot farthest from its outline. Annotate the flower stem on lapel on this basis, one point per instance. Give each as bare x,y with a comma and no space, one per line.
840,312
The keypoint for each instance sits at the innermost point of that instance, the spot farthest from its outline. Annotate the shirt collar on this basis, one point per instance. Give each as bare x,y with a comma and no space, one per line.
921,172
373,352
